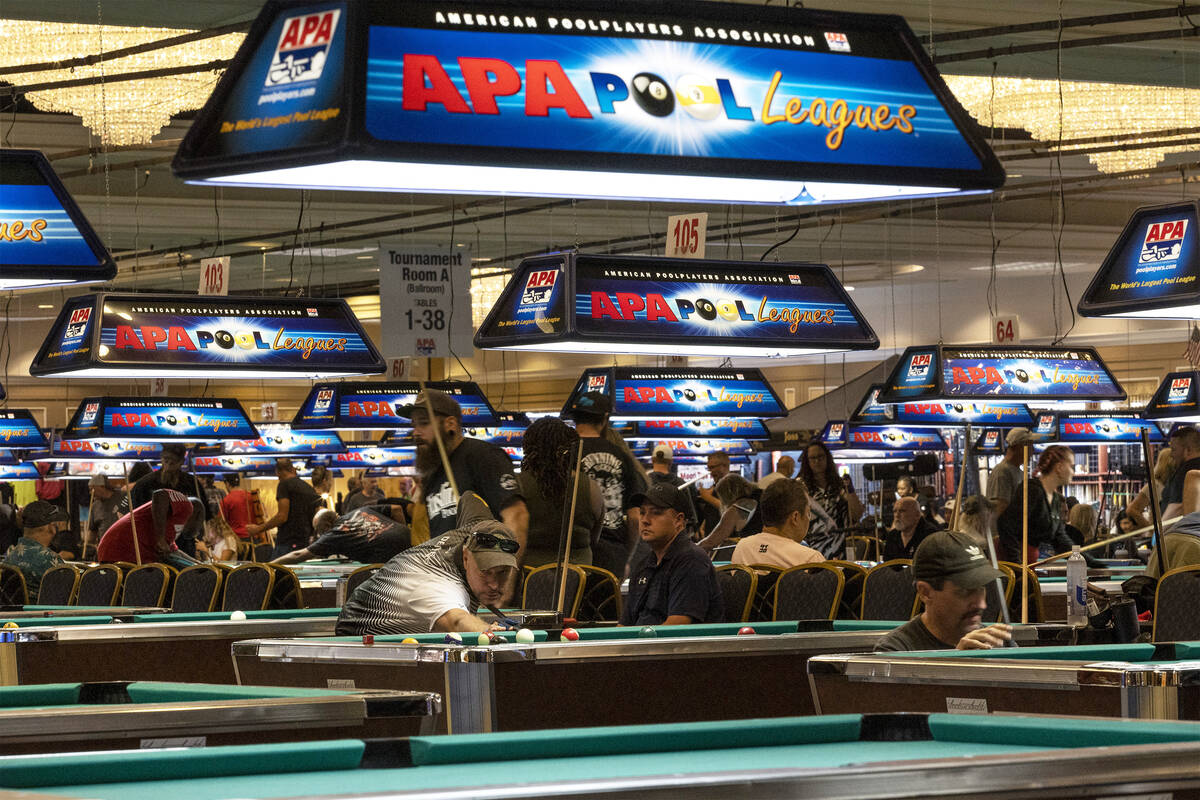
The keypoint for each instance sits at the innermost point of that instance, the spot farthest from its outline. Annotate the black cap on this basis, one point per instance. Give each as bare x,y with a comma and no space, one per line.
596,403
953,555
39,513
443,404
664,495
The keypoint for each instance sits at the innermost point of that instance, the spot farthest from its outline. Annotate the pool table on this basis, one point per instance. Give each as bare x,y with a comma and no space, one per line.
610,676
834,758
121,612
323,581
58,717
1145,681
1054,593
190,647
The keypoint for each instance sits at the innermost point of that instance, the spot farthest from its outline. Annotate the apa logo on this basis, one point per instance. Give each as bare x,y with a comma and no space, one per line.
539,287
835,431
312,312
919,366
1045,424
837,42
324,400
1180,387
78,323
991,439
302,48
795,279
426,347
1163,242
596,383
89,414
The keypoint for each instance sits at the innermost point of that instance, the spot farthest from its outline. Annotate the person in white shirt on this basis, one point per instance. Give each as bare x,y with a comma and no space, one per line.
785,515
784,468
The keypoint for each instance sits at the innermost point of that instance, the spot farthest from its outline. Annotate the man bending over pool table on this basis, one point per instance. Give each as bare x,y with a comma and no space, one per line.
439,585
158,522
952,575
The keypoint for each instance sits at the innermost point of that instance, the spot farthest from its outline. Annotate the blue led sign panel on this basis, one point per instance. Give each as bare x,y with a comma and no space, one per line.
1105,429
157,420
379,406
732,428
19,429
682,393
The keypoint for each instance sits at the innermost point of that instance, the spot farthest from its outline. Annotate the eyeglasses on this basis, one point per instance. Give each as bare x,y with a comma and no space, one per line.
490,541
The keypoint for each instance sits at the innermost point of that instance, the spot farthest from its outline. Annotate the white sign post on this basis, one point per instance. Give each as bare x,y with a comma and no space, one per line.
425,300
214,275
686,234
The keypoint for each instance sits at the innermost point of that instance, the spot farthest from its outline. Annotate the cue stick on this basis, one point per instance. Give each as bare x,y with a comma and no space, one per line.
564,542
961,478
1025,540
137,548
1110,540
1160,545
441,446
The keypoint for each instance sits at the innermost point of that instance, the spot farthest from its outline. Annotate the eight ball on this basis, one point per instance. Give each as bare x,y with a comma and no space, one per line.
647,633
652,95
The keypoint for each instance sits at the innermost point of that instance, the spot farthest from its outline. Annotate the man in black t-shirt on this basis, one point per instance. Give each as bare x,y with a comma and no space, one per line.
952,575
371,535
619,477
478,466
295,502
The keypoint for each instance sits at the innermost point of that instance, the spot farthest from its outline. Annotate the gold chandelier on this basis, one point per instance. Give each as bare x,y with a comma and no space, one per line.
1088,110
123,112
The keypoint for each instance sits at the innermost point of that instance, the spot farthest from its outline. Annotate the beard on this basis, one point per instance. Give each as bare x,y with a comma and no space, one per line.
428,460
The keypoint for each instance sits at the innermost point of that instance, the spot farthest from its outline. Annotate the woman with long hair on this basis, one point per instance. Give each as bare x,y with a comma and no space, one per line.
1047,508
547,477
835,506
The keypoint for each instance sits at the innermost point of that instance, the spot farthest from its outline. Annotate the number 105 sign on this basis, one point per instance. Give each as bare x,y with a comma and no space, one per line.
686,234
425,300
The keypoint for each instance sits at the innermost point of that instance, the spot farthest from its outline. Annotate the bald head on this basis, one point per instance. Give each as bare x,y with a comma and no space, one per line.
323,521
907,512
785,466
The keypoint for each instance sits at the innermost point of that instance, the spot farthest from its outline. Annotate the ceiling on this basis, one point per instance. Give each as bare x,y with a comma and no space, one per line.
151,221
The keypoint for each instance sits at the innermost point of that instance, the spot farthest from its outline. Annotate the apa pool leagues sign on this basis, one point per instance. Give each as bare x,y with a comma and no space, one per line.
649,394
110,335
722,102
1154,267
355,405
425,300
601,303
152,420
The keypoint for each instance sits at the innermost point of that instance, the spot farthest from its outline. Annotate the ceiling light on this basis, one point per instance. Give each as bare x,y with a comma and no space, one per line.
907,269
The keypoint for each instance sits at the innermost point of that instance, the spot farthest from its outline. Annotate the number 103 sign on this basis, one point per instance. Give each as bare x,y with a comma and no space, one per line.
425,300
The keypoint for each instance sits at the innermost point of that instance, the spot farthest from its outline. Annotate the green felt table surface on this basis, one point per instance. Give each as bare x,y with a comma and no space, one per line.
264,771
54,695
42,622
1087,652
215,616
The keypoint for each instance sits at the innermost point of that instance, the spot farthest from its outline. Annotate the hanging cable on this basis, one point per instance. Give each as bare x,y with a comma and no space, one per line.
777,245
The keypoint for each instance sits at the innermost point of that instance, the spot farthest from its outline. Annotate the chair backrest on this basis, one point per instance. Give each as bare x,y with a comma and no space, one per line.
889,591
99,586
147,585
1037,611
285,592
738,583
12,586
540,587
994,601
197,588
763,607
58,586
1175,602
866,548
808,591
245,551
853,575
262,552
248,588
601,595
355,579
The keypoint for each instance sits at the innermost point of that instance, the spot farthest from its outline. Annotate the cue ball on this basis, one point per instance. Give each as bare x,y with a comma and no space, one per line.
1022,376
706,309
408,640
238,615
569,635
453,638
747,631
224,339
11,625
647,633
525,636
651,94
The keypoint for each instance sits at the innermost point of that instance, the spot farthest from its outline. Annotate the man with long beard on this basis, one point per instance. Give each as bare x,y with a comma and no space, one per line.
478,467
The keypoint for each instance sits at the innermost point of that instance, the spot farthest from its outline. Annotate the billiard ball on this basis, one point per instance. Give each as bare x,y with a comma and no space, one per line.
647,633
698,97
238,615
706,309
483,638
368,638
408,640
525,636
171,419
114,621
690,394
958,407
11,624
569,635
651,94
1022,376
224,339
747,631
453,638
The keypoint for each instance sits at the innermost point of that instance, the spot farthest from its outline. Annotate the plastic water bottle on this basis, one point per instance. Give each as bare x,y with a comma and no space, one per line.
1076,588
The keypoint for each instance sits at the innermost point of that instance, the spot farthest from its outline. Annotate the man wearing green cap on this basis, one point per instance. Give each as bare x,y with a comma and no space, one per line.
952,575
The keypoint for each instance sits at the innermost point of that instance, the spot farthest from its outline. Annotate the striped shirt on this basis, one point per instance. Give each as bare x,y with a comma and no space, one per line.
411,592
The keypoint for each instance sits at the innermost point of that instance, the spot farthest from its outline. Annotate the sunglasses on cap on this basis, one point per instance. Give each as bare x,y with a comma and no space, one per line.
490,541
